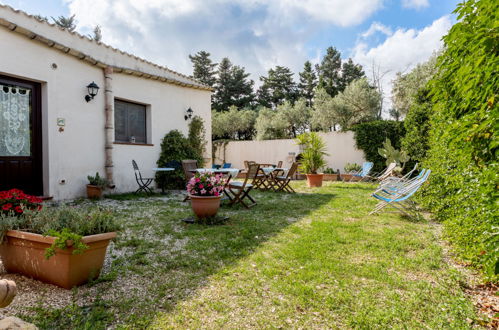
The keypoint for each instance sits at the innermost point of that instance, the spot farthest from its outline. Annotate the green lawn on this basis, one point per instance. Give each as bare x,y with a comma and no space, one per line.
314,259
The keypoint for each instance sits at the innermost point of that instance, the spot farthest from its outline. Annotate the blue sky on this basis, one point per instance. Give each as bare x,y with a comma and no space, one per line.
393,35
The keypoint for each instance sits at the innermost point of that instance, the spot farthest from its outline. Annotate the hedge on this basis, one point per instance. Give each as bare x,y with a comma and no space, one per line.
463,136
369,136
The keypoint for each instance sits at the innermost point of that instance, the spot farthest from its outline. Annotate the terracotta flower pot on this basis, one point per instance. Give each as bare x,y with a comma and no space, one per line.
314,180
24,253
94,192
205,206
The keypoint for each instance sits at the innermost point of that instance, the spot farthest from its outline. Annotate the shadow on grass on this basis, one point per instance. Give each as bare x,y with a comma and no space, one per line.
167,260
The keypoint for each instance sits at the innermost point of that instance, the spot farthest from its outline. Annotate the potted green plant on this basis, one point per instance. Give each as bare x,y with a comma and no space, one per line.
65,246
312,157
95,186
349,169
205,191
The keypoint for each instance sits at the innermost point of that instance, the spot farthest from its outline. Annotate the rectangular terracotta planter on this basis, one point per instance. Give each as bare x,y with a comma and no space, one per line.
347,177
24,253
331,177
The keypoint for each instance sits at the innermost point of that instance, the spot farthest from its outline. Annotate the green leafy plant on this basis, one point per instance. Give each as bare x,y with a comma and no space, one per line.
329,170
67,224
314,150
65,239
196,135
174,148
352,167
463,140
393,155
97,180
369,136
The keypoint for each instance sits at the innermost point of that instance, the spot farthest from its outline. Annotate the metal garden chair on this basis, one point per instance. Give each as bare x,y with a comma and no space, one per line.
398,195
363,174
141,181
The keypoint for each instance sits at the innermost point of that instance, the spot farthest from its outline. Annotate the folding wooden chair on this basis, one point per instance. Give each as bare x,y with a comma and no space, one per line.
281,182
240,190
260,179
141,181
188,165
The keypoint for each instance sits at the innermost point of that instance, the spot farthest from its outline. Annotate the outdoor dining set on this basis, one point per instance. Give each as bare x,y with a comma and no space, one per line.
266,177
270,177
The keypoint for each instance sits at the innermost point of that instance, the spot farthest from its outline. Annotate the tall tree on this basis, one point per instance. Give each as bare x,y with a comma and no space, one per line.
68,23
358,102
280,86
241,88
350,72
329,71
203,68
232,87
296,117
406,86
323,115
307,84
97,36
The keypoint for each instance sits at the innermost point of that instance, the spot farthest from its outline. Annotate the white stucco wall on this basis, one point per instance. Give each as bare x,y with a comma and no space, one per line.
340,147
79,150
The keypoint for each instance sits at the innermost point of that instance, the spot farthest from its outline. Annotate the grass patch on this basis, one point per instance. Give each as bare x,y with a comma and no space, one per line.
314,259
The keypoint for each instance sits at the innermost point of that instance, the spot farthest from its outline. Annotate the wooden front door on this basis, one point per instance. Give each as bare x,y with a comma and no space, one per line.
20,136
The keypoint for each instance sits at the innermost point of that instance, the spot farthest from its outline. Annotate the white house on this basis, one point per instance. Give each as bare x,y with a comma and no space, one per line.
53,134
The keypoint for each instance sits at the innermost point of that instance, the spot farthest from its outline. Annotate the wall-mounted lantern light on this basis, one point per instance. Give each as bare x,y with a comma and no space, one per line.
188,113
93,89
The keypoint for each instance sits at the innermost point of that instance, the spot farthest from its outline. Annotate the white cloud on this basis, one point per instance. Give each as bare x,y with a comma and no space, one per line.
415,4
257,34
401,51
377,27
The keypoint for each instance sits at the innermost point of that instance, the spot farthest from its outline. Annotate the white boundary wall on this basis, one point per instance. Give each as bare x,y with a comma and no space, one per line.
340,147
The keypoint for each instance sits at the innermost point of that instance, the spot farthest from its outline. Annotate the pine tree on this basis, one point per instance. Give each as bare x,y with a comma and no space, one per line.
279,85
232,87
241,89
68,23
350,72
307,84
204,68
329,71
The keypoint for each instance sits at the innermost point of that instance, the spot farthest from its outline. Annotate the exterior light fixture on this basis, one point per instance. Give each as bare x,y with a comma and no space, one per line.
188,113
93,89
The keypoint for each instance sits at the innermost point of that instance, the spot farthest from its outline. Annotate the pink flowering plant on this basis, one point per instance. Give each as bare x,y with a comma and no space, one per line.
206,184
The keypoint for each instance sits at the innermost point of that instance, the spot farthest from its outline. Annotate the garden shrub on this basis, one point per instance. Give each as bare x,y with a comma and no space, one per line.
417,126
463,140
369,136
174,148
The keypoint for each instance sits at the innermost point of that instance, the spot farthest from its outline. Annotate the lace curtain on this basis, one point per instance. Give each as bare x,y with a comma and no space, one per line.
14,121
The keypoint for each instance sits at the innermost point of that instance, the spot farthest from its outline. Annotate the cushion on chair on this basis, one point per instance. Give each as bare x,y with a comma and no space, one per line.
239,184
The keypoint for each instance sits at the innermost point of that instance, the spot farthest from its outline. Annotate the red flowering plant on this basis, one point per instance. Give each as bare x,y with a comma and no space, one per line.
206,184
16,201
